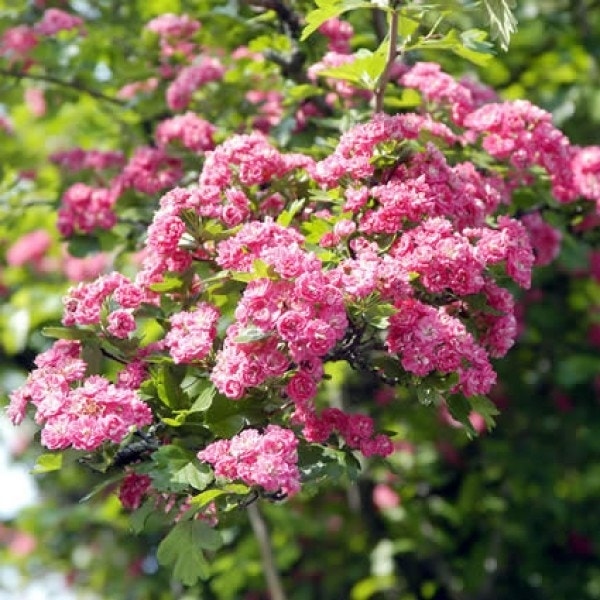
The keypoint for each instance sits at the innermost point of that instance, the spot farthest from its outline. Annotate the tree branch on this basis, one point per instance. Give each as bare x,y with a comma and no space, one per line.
71,85
391,57
266,551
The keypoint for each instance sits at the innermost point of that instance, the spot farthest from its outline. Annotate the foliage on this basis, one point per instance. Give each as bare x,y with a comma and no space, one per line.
266,184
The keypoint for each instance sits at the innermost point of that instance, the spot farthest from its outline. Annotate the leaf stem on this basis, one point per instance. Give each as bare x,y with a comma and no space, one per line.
391,57
266,551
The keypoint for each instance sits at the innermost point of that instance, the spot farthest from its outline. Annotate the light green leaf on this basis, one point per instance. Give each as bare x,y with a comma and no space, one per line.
250,335
502,21
67,333
471,45
327,9
366,69
287,216
197,476
47,462
206,498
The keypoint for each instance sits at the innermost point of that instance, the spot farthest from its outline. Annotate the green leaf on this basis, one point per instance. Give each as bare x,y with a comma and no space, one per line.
378,315
486,408
287,216
47,462
168,284
502,21
225,417
169,389
460,409
166,461
328,9
471,46
205,399
182,548
139,517
101,486
252,334
206,498
365,70
197,476
81,246
67,333
428,394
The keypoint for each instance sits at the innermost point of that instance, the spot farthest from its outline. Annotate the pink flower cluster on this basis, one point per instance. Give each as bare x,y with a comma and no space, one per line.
353,156
83,416
55,20
192,333
132,490
545,239
585,166
428,339
17,42
189,79
173,26
439,87
151,170
175,32
191,131
266,459
338,33
248,160
524,135
84,303
29,248
78,159
85,208
357,430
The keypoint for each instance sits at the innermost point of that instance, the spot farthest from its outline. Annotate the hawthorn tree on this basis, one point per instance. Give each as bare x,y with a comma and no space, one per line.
283,255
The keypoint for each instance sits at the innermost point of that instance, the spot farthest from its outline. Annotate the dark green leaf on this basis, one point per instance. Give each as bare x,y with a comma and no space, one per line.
181,549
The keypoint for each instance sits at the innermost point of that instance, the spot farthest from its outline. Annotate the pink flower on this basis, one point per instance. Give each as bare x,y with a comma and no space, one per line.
267,459
35,101
121,323
55,20
180,91
171,25
192,333
133,489
30,248
84,209
384,497
16,42
190,130
586,171
545,239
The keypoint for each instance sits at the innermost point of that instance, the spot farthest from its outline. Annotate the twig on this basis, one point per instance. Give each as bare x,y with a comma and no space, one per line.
391,57
71,85
266,551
